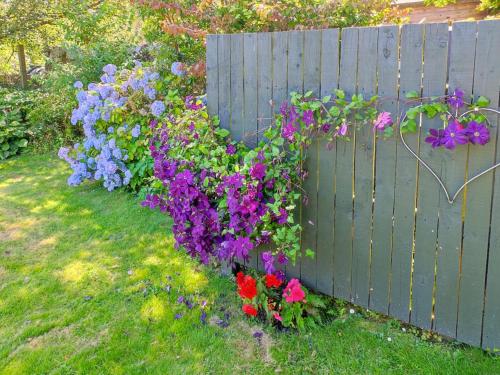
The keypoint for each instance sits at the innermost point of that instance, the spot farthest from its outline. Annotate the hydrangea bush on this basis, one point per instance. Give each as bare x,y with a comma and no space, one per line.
114,114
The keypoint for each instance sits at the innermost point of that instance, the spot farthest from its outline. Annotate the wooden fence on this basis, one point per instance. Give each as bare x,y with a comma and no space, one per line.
384,234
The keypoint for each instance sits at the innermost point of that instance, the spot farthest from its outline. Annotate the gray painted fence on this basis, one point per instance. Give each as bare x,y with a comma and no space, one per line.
384,234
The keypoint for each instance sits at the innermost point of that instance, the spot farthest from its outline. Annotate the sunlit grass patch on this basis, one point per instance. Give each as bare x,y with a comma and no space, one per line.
90,284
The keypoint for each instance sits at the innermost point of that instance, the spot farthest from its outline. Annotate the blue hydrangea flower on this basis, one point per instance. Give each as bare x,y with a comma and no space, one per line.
157,108
178,69
136,131
109,69
78,85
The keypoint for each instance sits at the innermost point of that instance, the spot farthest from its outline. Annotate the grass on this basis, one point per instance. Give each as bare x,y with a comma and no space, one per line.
82,290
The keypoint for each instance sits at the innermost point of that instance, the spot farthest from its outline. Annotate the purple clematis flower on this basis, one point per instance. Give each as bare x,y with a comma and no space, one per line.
326,128
342,131
454,134
435,138
478,133
456,100
230,149
288,131
383,120
268,259
258,171
308,118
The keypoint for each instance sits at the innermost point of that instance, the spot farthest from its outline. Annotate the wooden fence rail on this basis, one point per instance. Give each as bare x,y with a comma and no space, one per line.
385,236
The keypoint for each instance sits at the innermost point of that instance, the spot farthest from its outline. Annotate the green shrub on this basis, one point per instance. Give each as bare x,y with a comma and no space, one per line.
15,129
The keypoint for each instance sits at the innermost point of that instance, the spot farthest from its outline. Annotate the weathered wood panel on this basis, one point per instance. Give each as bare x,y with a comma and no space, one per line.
295,83
312,81
478,198
411,51
434,84
384,235
453,166
326,170
342,248
385,170
363,174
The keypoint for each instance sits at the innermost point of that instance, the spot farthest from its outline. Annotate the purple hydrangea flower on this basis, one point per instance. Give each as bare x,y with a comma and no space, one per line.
478,133
78,85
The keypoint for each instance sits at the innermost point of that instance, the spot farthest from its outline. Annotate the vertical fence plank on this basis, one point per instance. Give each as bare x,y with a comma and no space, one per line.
212,76
326,184
488,71
250,123
412,41
344,167
250,86
385,169
363,176
265,82
224,72
434,83
279,80
295,79
236,66
280,68
478,198
312,80
453,164
264,97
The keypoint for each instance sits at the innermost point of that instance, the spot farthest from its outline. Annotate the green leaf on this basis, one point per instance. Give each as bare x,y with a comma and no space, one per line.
412,95
310,253
482,101
339,94
326,99
388,132
222,132
408,126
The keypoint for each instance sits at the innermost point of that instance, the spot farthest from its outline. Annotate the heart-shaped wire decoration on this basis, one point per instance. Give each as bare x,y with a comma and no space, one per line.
434,174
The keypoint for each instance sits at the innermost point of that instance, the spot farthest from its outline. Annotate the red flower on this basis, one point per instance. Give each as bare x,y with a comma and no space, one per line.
239,278
249,310
247,286
293,292
272,281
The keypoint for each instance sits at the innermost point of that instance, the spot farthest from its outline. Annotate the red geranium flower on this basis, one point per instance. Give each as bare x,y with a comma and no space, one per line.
239,278
247,286
249,310
272,281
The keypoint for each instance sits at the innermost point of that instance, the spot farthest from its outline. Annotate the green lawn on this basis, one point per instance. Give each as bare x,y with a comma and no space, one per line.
82,290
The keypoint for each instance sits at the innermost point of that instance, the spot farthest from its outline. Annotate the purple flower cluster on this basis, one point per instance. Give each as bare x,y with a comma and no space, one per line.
457,134
291,117
201,226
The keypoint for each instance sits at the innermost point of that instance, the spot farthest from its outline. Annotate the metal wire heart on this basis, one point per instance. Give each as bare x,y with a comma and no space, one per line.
448,196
